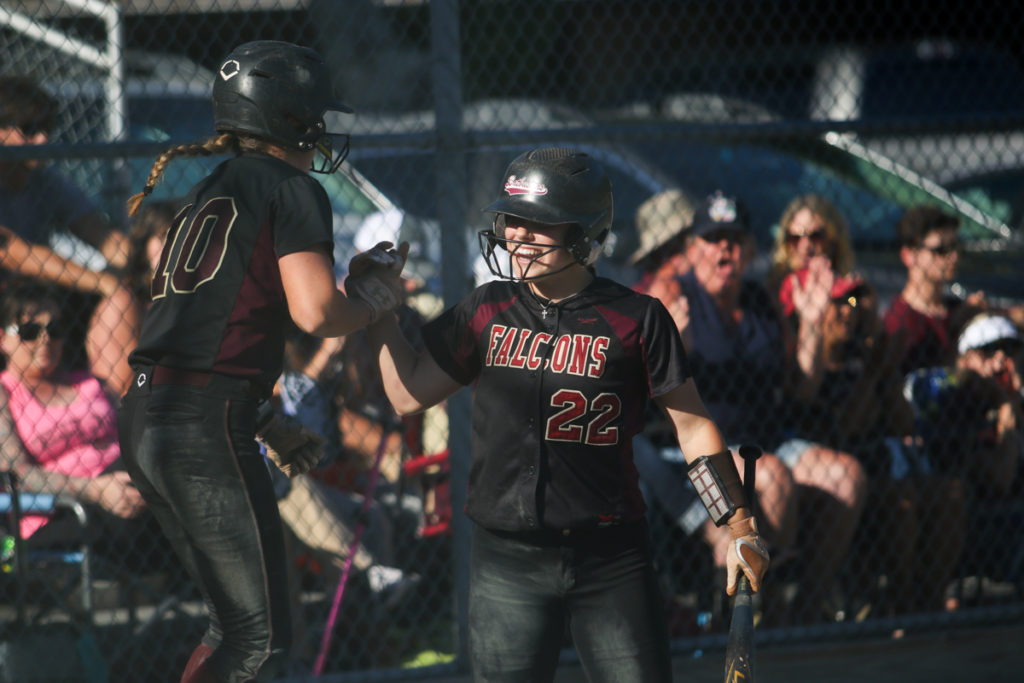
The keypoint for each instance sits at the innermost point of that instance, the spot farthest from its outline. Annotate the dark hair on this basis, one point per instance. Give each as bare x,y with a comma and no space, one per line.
21,296
920,220
153,220
26,105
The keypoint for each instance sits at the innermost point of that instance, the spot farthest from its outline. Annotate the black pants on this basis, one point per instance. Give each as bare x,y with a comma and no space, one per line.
525,589
191,452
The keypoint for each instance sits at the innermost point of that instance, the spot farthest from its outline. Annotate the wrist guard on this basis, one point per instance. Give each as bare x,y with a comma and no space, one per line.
718,484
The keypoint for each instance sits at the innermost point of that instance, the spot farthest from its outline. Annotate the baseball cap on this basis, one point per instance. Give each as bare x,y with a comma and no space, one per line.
659,220
720,212
986,329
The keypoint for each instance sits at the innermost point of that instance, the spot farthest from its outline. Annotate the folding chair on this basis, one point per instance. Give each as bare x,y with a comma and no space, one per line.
14,504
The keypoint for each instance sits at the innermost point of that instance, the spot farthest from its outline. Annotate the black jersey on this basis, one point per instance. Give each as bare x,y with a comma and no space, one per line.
560,392
218,302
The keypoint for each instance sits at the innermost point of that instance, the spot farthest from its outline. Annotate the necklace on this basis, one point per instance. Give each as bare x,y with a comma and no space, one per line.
545,308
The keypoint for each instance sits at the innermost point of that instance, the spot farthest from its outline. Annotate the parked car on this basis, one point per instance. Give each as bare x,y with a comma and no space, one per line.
656,152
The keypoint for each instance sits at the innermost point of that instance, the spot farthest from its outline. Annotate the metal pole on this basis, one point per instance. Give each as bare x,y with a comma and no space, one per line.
455,274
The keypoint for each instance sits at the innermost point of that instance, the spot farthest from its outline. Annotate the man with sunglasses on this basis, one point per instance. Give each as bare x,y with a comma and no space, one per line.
737,343
920,316
36,202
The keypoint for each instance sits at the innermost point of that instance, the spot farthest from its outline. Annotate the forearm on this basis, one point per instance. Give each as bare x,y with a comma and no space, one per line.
37,261
810,361
410,385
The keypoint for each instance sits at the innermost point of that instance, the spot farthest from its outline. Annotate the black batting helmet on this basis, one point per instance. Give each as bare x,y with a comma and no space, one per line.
277,91
554,185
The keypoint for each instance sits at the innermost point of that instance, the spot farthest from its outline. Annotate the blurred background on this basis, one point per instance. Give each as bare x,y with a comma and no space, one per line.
877,106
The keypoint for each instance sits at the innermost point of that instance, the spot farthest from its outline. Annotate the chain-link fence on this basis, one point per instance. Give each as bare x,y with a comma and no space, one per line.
888,410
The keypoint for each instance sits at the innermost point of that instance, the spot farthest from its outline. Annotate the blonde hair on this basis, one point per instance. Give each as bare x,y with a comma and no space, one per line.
839,248
224,143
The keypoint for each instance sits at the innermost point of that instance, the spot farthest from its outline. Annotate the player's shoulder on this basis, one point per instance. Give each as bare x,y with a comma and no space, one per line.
618,294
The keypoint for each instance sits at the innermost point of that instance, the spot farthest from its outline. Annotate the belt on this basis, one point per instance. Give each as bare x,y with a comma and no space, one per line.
163,375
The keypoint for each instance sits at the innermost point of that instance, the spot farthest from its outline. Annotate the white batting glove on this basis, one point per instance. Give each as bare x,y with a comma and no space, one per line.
375,277
291,445
746,554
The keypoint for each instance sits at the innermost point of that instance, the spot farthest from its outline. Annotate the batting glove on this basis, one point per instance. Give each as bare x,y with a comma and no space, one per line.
375,277
746,554
291,445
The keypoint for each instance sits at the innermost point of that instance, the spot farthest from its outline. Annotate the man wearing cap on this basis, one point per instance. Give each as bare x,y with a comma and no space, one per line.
736,342
990,346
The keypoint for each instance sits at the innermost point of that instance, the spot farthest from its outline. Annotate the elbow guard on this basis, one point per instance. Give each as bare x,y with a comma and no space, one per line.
718,484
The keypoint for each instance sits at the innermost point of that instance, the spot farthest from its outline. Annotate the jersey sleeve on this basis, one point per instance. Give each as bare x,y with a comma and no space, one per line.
301,215
667,367
451,341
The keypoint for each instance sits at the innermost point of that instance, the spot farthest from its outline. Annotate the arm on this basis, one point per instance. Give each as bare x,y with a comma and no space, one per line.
113,491
314,301
38,261
412,381
94,229
698,435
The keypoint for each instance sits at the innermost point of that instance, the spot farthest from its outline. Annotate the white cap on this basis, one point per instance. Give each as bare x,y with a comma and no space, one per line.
986,329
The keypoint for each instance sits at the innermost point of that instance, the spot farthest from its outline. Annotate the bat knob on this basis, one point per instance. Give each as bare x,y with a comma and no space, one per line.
749,451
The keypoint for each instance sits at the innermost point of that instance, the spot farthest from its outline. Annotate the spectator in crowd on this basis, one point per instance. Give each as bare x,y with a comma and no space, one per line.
661,223
990,347
57,427
322,517
968,414
812,249
922,316
737,345
812,232
36,201
914,529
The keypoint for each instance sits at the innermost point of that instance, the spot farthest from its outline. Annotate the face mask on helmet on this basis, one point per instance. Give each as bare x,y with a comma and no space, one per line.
499,251
332,148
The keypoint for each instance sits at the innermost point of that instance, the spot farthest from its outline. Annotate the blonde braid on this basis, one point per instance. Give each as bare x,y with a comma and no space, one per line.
220,144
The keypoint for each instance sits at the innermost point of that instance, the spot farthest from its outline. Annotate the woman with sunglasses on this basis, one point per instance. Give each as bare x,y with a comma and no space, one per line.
36,201
58,429
812,234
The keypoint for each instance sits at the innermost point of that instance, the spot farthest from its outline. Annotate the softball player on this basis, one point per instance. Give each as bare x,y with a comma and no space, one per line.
563,363
251,248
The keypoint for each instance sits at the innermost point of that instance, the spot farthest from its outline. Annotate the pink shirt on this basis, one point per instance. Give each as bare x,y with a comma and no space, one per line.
78,439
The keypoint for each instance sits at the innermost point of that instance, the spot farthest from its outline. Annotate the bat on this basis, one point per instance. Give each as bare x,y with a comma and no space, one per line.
739,651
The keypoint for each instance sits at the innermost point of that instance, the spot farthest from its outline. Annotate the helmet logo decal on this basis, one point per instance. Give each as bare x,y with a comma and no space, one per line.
516,186
230,69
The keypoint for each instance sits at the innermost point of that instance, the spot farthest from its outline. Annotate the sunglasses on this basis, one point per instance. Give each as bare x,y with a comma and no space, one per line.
31,331
1009,347
943,249
817,237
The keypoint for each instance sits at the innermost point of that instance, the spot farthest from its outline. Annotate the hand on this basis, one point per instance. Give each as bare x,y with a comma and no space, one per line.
291,445
811,299
115,493
746,554
382,255
375,278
